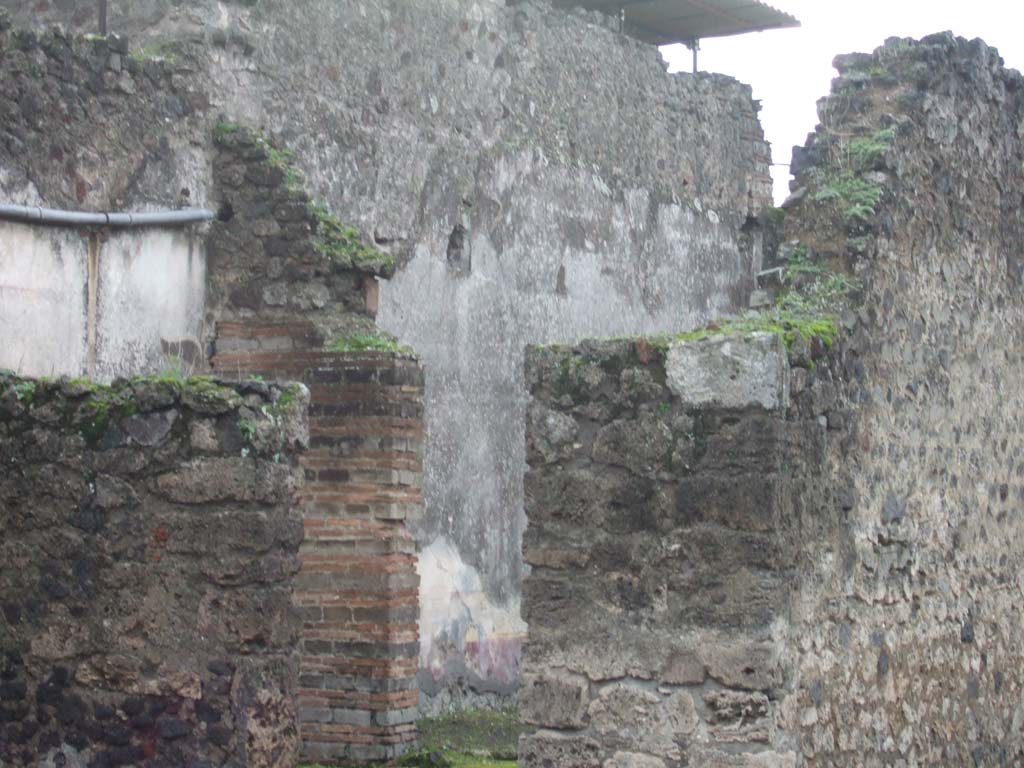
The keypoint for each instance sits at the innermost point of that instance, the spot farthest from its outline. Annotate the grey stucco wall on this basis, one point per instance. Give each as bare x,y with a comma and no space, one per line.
538,178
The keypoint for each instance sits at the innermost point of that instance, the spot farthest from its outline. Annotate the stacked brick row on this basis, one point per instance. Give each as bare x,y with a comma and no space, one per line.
279,289
358,587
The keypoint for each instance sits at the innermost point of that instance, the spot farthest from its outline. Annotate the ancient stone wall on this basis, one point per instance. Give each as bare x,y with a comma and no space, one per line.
277,257
537,177
90,123
892,621
908,623
663,497
289,282
534,175
150,545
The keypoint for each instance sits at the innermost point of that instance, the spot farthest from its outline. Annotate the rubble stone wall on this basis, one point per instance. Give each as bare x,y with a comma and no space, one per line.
92,123
150,546
908,626
663,495
886,589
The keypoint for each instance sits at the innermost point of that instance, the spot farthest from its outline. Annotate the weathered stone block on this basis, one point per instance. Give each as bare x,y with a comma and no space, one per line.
746,503
544,749
642,445
633,760
751,666
552,435
631,718
730,372
737,716
682,668
554,700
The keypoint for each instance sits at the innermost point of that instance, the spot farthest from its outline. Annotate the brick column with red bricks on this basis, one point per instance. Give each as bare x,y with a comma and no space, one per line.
358,590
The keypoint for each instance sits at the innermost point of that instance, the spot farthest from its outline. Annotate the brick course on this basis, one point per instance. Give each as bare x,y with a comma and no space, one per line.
358,587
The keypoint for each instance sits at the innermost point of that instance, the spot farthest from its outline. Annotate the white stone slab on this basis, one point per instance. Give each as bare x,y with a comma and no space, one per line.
730,371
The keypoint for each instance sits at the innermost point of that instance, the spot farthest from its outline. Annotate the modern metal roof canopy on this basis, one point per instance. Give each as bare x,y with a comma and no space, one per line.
685,21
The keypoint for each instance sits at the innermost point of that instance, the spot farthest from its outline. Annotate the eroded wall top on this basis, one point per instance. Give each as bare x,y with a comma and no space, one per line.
913,184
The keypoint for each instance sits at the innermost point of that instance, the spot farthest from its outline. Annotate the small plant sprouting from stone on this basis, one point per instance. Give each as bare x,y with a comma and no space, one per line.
808,308
248,430
865,153
344,244
155,52
856,197
229,134
225,133
25,391
367,342
287,399
175,372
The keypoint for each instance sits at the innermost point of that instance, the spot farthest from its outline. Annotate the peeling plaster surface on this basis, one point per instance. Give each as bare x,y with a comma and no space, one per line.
149,300
463,633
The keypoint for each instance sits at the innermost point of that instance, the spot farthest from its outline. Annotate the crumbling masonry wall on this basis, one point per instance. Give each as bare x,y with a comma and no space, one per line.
288,280
536,177
150,544
886,580
908,622
663,496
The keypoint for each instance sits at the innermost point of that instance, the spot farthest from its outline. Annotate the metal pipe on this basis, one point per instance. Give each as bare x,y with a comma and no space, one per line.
102,12
37,215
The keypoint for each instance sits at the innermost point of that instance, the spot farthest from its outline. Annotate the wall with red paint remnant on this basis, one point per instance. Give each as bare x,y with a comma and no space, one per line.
150,546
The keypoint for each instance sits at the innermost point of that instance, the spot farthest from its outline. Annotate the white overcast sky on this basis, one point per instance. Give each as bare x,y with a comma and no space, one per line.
791,69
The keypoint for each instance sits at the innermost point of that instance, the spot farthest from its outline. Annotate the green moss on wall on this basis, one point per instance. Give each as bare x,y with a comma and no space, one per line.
334,240
368,342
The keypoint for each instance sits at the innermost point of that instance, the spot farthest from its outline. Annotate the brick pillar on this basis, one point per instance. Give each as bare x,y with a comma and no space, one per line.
358,589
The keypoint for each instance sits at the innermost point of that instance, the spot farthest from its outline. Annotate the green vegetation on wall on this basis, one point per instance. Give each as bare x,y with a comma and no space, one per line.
332,239
807,308
367,342
853,194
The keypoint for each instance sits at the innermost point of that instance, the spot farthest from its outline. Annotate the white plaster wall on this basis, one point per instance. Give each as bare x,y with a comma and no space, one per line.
151,293
152,289
42,300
